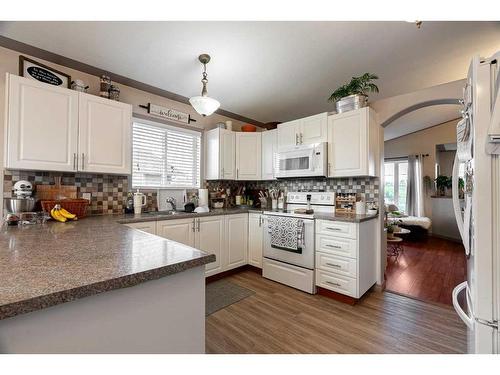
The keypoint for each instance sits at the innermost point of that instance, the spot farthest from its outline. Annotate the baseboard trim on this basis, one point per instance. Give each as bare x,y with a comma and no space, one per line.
336,296
246,267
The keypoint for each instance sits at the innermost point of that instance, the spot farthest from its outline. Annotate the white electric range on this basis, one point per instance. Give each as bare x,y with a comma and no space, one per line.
296,268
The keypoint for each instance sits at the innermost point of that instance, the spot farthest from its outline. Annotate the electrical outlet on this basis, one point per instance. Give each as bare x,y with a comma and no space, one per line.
86,196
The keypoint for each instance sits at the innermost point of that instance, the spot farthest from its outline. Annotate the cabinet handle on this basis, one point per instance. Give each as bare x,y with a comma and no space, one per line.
74,161
199,225
335,229
301,138
296,139
329,169
333,265
333,246
237,173
223,173
332,283
260,221
194,224
83,161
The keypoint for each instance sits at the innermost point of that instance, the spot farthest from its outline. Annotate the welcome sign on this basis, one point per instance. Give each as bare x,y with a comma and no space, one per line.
168,113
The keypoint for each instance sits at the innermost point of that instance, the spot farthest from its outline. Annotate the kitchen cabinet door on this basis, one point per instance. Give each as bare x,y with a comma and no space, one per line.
180,230
269,148
313,129
350,153
105,135
228,154
236,241
220,151
148,226
288,133
248,156
42,126
209,237
255,238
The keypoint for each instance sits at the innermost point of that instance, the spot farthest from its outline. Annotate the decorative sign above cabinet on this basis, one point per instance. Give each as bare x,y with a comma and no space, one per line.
167,113
34,70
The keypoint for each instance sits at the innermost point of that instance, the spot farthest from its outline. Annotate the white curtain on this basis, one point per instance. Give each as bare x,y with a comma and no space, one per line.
415,187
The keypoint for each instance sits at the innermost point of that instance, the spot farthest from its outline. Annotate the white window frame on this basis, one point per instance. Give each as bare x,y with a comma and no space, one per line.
174,128
396,180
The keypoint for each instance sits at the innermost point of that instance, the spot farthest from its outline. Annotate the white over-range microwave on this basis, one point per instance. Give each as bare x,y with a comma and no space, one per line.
302,161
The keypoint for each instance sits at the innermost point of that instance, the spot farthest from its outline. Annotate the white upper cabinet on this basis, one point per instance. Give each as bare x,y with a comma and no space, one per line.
42,126
269,148
248,156
220,162
312,129
105,128
56,129
353,144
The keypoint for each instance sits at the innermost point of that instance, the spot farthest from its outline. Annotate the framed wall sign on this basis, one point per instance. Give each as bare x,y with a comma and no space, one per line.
167,113
34,70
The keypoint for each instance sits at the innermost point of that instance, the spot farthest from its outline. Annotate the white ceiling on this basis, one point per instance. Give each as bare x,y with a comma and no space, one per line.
269,71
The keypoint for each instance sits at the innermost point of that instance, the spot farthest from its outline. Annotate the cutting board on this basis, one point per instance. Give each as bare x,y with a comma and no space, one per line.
55,192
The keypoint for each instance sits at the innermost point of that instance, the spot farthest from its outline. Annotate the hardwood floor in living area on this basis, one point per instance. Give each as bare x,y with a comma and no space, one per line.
279,319
427,270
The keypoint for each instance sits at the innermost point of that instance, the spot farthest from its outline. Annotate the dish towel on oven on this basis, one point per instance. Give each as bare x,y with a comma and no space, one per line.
286,233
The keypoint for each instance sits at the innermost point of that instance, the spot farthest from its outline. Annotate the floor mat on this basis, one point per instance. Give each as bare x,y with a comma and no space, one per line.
222,293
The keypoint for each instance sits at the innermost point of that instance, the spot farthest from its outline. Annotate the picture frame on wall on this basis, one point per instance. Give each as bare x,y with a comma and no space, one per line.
32,69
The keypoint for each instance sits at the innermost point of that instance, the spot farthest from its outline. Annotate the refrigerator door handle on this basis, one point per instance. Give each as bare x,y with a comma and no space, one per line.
468,320
462,227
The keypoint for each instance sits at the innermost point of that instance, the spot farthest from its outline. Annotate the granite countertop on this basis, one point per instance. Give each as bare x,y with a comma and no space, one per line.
350,218
157,216
45,265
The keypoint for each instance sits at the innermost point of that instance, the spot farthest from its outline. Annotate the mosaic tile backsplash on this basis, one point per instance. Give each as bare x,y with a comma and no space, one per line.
366,187
108,192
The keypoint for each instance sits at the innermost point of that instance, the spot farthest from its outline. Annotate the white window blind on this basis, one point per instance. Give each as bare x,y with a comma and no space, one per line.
165,157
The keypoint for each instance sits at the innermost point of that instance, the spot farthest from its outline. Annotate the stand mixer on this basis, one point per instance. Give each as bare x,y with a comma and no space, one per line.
22,201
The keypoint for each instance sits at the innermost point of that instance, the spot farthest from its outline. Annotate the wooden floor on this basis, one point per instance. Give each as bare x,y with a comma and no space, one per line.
279,319
427,270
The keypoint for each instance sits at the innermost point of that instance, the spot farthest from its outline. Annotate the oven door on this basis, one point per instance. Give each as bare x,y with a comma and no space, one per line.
304,259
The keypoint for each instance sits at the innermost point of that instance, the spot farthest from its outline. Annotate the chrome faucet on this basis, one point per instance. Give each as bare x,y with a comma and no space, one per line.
172,202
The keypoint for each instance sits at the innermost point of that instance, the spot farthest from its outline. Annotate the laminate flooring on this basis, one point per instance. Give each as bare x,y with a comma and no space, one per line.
280,319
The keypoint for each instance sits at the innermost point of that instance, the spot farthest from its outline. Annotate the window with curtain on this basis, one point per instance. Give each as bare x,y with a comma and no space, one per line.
395,183
165,156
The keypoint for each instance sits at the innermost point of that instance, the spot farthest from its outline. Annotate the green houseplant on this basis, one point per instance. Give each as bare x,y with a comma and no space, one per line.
354,94
442,183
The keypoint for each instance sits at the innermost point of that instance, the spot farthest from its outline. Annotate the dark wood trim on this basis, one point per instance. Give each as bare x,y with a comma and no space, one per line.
227,273
336,296
95,71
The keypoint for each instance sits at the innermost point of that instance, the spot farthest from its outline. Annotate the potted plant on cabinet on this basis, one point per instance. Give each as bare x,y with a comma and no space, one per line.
442,182
353,95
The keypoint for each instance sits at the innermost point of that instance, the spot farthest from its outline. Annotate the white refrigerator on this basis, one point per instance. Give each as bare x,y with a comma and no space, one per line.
478,146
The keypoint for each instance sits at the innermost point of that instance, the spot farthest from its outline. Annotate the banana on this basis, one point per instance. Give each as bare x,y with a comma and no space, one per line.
57,216
66,214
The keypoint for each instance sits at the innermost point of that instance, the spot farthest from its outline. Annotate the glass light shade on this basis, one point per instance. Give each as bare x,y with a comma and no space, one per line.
204,105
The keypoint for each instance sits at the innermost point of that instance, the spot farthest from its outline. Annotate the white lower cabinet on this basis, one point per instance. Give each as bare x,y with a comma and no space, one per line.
179,230
226,236
255,238
346,256
209,237
236,241
148,226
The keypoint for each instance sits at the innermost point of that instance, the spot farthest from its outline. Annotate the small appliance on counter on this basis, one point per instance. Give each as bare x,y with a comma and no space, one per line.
202,201
20,203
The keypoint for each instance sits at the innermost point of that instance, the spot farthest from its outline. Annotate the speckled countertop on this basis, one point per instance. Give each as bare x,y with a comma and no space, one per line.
350,218
42,266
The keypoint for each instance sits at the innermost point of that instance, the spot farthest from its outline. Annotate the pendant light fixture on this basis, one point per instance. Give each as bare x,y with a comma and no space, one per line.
203,104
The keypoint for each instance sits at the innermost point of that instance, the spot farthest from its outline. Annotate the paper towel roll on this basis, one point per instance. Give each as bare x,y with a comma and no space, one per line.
202,197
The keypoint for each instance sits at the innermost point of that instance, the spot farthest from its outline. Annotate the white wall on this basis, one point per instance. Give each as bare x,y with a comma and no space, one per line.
423,142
